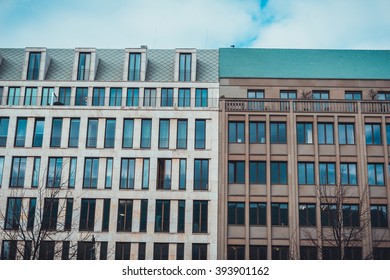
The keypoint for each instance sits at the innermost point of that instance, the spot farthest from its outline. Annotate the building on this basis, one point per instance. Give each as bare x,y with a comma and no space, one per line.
294,123
112,154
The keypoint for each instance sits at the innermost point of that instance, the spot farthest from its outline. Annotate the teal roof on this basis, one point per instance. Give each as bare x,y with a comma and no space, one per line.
304,64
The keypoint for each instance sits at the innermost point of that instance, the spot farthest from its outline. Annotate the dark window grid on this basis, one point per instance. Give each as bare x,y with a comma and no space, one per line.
236,213
164,174
201,176
199,251
325,133
379,216
279,173
305,133
308,253
141,251
92,133
68,214
166,97
50,214
200,216
12,218
84,65
257,132
306,173
373,133
327,174
255,94
257,214
85,250
18,172
257,172
74,131
236,132
377,177
348,174
20,135
103,250
144,216
180,251
64,96
146,132
280,252
134,67
46,250
184,98
161,251
257,252
125,215
201,97
87,216
181,137
279,214
115,97
91,173
38,132
181,216
163,134
127,174
236,252
122,250
162,216
98,96
200,134
307,215
3,131
81,97
236,172
132,98
351,215
34,62
345,135
54,173
278,133
329,215
185,67
381,253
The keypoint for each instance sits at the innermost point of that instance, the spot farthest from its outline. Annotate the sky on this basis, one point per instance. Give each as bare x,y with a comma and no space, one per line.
162,24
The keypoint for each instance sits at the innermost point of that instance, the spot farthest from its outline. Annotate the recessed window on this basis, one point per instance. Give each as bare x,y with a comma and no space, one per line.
329,215
98,96
106,214
256,132
68,214
87,214
255,94
180,251
50,214
257,214
278,133
182,174
200,216
280,253
161,251
72,172
34,62
307,214
132,98
373,134
348,174
164,174
38,132
201,174
353,95
305,133
163,135
109,137
181,210
257,252
199,251
325,133
279,173
317,95
166,97
56,132
64,96
150,97
185,67
35,173
279,214
381,253
236,132
347,133
1,170
201,97
146,133
3,131
84,66
141,250
200,134
92,133
127,173
109,170
327,173
9,250
383,95
30,96
81,97
308,253
376,176
48,96
257,172
144,216
122,250
236,172
184,97
236,213
125,215
288,94
12,218
13,96
46,250
134,66
20,135
91,173
162,216
305,173
128,130
379,216
54,172
236,252
18,171
74,130
351,215
181,141
115,97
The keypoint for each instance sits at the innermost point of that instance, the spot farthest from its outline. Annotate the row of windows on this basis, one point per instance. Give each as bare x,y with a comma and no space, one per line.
307,214
164,133
57,179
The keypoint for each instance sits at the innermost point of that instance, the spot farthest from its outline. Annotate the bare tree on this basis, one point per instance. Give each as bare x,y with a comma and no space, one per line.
372,94
306,94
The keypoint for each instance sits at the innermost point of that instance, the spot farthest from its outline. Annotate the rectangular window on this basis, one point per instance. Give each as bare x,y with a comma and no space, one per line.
143,223
257,252
353,95
1,95
308,253
103,250
150,97
278,133
74,129
280,252
18,172
83,67
48,96
9,250
201,174
200,134
164,174
305,133
35,173
115,97
182,127
278,173
14,209
388,133
145,173
85,250
109,168
185,67
256,94
307,215
87,214
34,63
257,214
127,173
3,131
81,97
72,173
383,95
257,172
199,251
64,96
134,66
236,172
325,133
122,250
98,96
38,132
125,215
161,251
373,134
50,214
13,96
31,213
163,135
279,214
351,215
1,170
56,132
201,97
92,133
166,97
379,216
27,250
54,172
305,173
30,97
181,205
317,95
91,173
182,174
200,216
236,132
236,213
132,97
347,133
348,175
46,250
68,214
141,251
162,216
20,135
128,130
256,132
327,173
288,94
381,253
184,97
376,175
329,215
146,133
180,251
109,137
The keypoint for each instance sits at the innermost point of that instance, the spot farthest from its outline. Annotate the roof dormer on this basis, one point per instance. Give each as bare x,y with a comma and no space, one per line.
135,64
85,64
36,64
185,65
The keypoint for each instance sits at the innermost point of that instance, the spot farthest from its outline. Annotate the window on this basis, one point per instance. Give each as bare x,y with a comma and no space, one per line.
87,215
181,205
109,137
132,97
86,250
48,96
256,132
200,216
199,251
257,172
166,97
56,132
92,133
327,173
353,95
103,250
91,173
30,97
20,135
201,97
141,250
288,94
161,251
351,215
305,173
236,213
115,97
109,168
9,249
18,172
182,127
50,214
347,133
34,62
146,133
54,172
143,223
145,173
279,214
13,96
31,213
72,172
27,250
127,173
81,97
320,95
257,214
122,250
68,214
185,67
125,215
14,209
182,174
325,133
373,134
278,132
64,96
381,253
379,215
162,216
376,176
200,134
3,131
255,94
279,173
348,174
38,132
307,215
280,252
150,97
201,174
236,132
46,250
180,251
163,135
308,253
98,96
83,67
1,95
164,174
236,172
134,66
128,130
388,133
184,97
383,95
74,129
329,215
236,252
1,170
305,133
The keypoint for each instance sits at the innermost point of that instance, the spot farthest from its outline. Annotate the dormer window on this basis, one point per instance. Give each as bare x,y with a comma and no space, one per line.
134,67
185,67
34,63
84,66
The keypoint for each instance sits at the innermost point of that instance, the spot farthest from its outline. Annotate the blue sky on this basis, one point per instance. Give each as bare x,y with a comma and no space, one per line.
354,24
